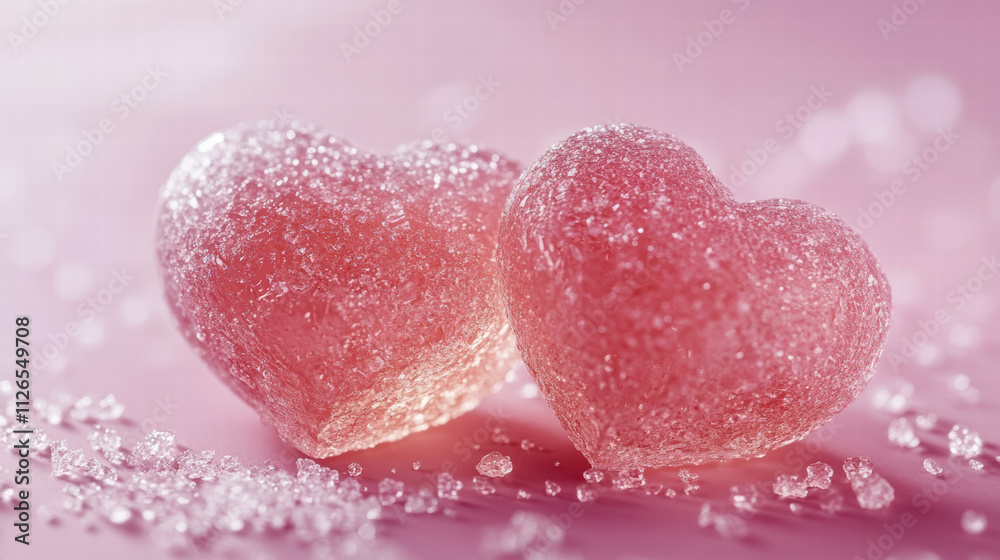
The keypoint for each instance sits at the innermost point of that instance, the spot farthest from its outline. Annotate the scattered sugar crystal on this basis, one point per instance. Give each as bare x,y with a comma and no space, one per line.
69,463
653,489
964,442
976,464
706,515
795,508
533,535
926,421
307,471
819,475
728,525
586,493
448,486
552,488
931,466
857,468
119,515
390,491
833,504
593,475
483,485
527,444
630,478
108,443
670,493
423,501
961,385
894,400
416,465
523,494
746,497
788,486
499,436
86,409
495,465
973,522
901,433
873,492
354,469
155,450
631,219
690,480
197,465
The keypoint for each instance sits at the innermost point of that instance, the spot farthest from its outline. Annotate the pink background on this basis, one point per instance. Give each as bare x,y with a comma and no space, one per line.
891,94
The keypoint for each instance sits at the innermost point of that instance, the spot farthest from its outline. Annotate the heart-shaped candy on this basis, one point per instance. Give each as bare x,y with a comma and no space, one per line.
350,298
668,324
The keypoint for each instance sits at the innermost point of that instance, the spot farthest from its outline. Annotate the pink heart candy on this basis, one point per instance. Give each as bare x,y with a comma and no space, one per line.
668,324
351,299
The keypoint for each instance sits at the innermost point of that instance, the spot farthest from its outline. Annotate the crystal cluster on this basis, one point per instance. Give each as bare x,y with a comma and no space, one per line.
636,285
872,491
964,442
350,298
495,465
902,434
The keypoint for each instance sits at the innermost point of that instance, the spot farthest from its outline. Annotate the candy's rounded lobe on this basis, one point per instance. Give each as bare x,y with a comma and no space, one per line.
668,324
350,298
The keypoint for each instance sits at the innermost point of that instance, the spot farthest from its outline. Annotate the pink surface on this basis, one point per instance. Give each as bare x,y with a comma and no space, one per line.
885,117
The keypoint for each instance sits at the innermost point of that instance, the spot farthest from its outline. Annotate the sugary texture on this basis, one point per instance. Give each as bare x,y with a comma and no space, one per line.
819,475
857,468
668,324
495,465
350,298
901,433
873,491
964,442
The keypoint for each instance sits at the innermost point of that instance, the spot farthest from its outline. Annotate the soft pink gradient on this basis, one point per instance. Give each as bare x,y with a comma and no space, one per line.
607,62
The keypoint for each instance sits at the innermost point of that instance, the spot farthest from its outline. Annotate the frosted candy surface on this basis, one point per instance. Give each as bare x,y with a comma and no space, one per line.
350,298
668,324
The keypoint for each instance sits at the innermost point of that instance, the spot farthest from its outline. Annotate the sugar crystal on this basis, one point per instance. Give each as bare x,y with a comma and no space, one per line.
973,522
901,433
857,468
495,465
964,442
819,475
